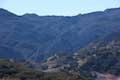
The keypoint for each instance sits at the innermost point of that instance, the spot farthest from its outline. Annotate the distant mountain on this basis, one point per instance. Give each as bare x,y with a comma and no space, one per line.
39,37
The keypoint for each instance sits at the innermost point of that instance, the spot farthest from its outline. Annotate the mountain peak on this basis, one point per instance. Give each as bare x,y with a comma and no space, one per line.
30,15
113,10
1,9
6,13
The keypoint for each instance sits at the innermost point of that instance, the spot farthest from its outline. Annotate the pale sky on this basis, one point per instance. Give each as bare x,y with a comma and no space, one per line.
57,7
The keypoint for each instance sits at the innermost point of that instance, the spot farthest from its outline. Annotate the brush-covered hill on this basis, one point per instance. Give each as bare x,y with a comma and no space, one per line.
9,70
102,56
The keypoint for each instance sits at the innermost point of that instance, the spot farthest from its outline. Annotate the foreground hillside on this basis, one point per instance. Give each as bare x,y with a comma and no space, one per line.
99,60
13,71
104,59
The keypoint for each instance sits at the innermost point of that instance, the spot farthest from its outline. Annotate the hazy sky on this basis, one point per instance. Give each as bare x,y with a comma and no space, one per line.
57,7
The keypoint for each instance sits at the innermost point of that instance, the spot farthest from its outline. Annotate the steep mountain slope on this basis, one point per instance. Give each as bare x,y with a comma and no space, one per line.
38,37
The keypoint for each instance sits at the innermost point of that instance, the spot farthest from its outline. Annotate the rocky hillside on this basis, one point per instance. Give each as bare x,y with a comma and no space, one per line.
104,59
100,59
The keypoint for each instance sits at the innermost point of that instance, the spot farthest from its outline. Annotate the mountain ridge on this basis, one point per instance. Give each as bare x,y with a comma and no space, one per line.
79,14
